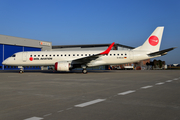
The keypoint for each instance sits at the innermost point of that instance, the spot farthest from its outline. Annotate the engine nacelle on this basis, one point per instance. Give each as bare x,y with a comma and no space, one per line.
62,66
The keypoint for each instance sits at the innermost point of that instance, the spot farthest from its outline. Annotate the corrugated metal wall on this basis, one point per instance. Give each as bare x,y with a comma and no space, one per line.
8,50
1,56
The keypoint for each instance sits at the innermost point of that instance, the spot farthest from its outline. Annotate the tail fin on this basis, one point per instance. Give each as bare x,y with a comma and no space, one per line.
152,44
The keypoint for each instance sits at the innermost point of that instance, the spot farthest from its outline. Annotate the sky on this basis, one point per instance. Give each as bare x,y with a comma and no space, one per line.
73,22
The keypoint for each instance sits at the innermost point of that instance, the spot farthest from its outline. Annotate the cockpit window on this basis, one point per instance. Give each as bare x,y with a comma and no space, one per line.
13,55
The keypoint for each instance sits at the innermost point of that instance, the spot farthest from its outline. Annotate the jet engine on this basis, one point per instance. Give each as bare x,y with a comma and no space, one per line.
63,66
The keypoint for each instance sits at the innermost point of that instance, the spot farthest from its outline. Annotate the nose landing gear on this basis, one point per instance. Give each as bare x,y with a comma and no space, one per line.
21,69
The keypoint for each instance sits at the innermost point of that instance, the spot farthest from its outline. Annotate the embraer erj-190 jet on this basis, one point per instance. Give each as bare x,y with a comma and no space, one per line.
68,60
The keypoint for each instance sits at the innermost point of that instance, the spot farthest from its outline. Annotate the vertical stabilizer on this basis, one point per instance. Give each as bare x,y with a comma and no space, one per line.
152,44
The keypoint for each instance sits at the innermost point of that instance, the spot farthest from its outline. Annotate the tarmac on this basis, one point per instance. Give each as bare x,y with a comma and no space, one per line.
98,95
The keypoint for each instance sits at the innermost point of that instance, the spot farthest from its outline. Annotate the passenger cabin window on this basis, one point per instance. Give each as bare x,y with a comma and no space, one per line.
34,55
42,55
30,55
54,55
38,55
57,55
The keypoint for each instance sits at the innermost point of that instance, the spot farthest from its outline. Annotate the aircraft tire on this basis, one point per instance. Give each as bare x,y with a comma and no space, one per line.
84,71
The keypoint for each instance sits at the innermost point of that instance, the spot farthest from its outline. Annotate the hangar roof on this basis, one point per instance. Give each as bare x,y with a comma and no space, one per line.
89,46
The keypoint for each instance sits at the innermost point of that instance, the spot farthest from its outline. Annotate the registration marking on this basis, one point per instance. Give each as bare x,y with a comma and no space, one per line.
90,103
127,92
160,83
145,87
34,118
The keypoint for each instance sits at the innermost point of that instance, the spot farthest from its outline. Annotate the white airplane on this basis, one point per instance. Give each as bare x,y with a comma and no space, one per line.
68,60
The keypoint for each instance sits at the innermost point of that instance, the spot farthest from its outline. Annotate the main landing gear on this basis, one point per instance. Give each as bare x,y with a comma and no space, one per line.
84,71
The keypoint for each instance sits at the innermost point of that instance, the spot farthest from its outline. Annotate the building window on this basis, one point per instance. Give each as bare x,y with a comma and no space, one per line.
0,66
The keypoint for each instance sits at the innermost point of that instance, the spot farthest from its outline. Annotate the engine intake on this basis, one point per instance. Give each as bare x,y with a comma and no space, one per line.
62,66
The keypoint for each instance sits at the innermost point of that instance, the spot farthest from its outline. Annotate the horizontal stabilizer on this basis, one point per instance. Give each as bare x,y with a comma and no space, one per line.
162,52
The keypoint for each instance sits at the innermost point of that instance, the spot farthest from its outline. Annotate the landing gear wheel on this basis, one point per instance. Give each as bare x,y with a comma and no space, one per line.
84,71
21,71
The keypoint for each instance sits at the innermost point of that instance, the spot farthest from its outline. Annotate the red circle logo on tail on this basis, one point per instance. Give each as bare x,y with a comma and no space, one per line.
31,58
153,40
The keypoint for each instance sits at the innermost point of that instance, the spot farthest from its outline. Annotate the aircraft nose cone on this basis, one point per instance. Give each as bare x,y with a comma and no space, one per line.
4,62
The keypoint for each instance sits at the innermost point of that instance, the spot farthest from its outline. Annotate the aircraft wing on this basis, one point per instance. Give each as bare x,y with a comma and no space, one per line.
88,59
162,52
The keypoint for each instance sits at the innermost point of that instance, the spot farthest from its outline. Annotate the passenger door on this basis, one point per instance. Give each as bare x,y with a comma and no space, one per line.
131,55
24,56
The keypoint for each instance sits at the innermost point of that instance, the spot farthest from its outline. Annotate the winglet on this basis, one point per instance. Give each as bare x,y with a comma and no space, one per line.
108,49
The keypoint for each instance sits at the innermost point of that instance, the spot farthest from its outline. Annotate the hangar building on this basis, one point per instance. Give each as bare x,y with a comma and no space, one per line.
10,45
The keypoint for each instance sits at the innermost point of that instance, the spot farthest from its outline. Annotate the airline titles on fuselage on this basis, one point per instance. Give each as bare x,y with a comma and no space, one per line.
31,59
